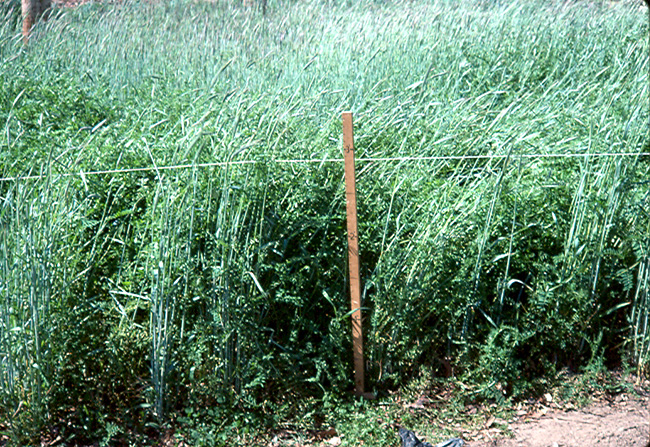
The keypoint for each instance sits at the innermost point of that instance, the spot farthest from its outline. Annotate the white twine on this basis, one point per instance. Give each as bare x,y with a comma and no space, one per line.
326,160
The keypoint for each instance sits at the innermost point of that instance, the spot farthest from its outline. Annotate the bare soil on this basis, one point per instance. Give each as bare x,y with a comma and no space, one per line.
618,421
609,420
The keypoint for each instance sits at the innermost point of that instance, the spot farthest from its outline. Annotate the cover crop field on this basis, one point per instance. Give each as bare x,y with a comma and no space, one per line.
172,210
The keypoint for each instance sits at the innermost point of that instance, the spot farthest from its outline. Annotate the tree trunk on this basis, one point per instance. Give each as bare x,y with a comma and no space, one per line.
250,3
32,10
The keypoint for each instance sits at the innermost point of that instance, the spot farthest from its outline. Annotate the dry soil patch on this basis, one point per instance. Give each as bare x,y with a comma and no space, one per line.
622,421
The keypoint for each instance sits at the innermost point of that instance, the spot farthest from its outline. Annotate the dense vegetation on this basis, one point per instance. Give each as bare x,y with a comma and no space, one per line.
206,296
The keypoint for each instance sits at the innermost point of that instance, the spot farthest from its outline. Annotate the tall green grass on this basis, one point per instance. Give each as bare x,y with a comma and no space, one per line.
224,287
40,234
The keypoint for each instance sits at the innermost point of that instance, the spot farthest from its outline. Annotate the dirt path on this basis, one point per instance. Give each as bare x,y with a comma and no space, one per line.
622,421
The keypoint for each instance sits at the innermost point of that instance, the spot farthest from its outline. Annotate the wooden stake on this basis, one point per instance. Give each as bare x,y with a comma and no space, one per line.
353,253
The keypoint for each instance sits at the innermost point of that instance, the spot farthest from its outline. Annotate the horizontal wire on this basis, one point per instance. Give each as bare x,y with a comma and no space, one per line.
474,157
326,160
